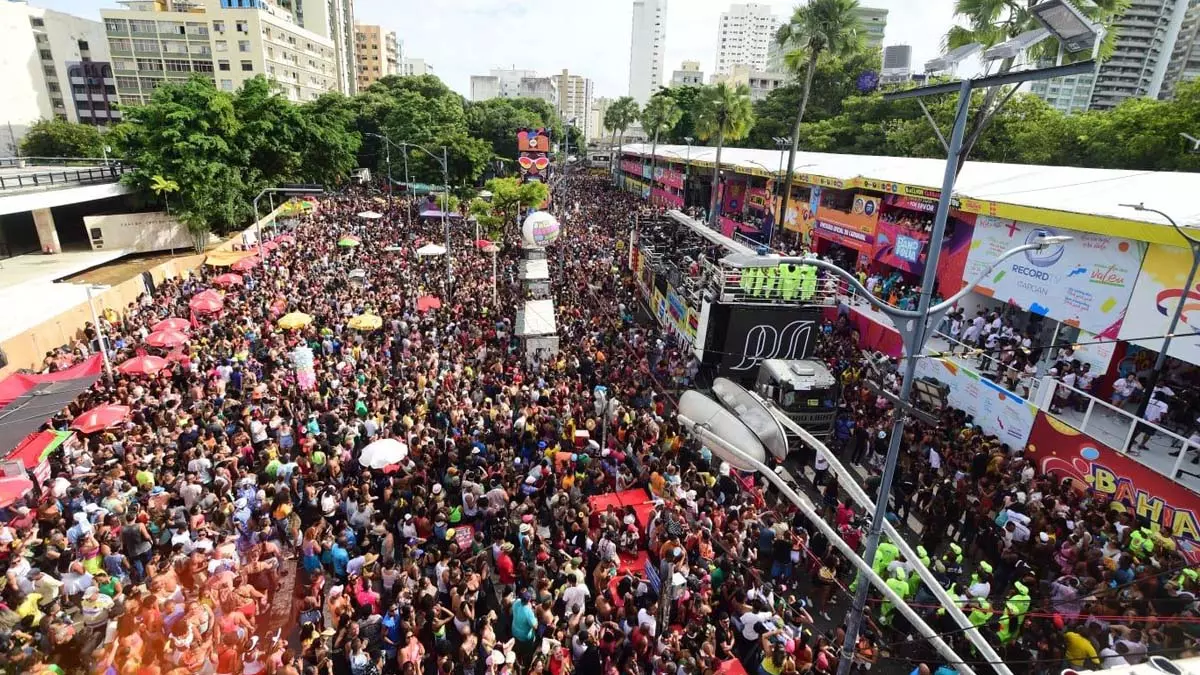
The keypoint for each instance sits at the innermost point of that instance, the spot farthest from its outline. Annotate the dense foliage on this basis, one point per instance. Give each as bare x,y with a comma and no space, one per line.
60,138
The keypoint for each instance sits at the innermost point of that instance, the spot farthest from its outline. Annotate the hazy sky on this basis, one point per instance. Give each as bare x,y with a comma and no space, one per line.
460,38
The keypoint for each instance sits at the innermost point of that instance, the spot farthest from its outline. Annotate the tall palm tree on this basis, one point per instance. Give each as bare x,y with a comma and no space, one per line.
660,115
610,123
723,113
624,113
992,22
821,26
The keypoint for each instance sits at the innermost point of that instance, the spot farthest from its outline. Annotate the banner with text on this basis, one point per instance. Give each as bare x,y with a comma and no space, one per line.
661,197
996,410
802,214
855,229
1061,450
671,178
1158,291
1084,282
632,167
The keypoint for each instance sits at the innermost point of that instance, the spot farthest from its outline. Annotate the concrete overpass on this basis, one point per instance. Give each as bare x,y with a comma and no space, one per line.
37,185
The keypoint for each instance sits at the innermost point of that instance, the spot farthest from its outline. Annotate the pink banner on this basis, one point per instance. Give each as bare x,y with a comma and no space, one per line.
729,226
732,197
759,199
658,196
632,167
671,178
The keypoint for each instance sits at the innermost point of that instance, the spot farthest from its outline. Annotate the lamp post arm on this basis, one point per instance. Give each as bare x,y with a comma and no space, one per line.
949,302
1183,233
806,507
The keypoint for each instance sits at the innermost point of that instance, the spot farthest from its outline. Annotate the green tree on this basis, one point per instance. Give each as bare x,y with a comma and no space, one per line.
497,121
510,197
621,114
820,26
724,113
992,22
660,115
685,97
329,142
60,138
491,223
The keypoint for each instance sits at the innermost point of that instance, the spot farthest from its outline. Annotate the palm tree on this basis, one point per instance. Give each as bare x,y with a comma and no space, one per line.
821,26
724,113
992,22
660,115
624,112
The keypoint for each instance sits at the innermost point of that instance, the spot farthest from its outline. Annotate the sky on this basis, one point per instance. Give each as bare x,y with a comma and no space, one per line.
460,38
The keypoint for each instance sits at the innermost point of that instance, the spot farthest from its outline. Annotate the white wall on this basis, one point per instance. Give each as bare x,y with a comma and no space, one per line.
26,100
646,69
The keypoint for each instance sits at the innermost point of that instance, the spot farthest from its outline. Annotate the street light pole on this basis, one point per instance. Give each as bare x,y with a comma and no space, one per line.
1156,373
687,168
446,221
101,340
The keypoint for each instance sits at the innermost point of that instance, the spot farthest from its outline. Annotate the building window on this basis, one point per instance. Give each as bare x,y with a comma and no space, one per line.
244,46
49,71
178,65
46,55
247,66
227,85
143,27
114,26
36,21
53,87
202,66
221,45
222,64
241,27
145,46
149,64
127,83
219,26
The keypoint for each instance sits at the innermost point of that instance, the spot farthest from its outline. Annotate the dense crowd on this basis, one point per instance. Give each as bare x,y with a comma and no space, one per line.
228,527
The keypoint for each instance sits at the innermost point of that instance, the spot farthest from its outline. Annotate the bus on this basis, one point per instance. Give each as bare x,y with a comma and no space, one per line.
804,390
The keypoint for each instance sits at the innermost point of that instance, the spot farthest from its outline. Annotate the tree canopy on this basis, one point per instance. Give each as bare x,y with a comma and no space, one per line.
60,138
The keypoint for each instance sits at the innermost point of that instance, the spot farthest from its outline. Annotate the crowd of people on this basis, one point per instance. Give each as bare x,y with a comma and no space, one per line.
227,527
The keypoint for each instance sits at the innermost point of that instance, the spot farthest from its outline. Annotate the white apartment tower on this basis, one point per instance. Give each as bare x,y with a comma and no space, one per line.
574,99
333,19
1147,36
648,48
744,37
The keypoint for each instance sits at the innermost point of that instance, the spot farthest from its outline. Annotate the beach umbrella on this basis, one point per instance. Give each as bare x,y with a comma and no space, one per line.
428,302
245,264
13,488
207,302
294,320
348,241
366,322
166,339
173,323
270,245
142,365
431,250
278,306
383,453
482,243
228,280
100,418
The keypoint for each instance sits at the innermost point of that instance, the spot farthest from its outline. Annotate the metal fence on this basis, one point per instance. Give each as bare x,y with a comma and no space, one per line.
61,177
24,161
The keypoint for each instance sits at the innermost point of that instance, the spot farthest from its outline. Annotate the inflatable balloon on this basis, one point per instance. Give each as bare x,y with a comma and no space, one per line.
540,229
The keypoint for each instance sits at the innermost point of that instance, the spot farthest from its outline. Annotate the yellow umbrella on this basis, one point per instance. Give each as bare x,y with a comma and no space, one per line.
294,320
366,322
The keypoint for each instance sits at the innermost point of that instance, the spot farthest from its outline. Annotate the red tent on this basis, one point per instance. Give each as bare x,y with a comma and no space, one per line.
246,264
229,279
13,488
166,339
207,302
37,446
26,401
428,302
142,365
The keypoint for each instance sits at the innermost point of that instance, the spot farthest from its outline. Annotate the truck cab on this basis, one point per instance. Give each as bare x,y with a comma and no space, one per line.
804,390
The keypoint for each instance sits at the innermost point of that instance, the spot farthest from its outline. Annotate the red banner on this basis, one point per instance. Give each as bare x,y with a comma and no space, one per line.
664,198
1090,465
631,167
671,178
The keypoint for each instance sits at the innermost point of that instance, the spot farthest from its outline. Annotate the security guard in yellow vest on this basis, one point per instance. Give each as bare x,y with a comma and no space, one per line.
808,282
1014,613
980,611
789,285
771,277
898,582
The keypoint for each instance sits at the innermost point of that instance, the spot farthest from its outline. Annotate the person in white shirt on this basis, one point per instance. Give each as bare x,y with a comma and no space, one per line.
1114,657
1156,411
575,597
1124,389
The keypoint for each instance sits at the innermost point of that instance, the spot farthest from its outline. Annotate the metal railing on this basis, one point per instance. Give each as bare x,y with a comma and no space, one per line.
23,161
63,177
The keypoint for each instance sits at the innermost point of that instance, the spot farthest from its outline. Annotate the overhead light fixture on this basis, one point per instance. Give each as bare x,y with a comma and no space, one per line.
952,58
1075,31
1017,46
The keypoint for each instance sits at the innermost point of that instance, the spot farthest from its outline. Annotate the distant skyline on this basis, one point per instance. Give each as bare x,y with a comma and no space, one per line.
460,38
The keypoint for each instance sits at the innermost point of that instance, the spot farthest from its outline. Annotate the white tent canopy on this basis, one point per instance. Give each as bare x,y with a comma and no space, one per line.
535,270
383,453
431,250
536,318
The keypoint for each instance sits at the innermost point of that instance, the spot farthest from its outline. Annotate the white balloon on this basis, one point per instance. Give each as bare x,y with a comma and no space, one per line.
540,229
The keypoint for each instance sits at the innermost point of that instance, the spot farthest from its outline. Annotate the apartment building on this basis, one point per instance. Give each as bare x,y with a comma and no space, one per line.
574,99
688,75
744,37
376,53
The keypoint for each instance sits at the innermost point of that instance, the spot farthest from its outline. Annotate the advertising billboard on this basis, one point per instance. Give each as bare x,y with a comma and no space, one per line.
906,249
855,229
1158,291
669,177
756,333
802,214
138,232
1085,282
1128,485
996,410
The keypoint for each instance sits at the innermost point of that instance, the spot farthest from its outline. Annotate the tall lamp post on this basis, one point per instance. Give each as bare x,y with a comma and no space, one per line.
1155,374
404,145
101,338
388,143
282,189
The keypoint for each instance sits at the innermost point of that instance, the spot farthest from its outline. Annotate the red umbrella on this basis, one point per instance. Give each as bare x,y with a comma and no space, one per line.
179,356
207,302
166,339
428,302
174,323
13,488
270,245
101,417
482,243
246,264
228,280
285,239
142,365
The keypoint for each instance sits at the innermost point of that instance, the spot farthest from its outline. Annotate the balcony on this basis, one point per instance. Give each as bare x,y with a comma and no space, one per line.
120,52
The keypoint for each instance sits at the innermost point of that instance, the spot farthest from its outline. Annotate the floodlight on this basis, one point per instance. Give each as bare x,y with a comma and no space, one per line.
1016,46
954,57
1073,29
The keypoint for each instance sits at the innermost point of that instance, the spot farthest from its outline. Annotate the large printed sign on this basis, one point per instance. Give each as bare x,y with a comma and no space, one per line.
1061,450
855,229
757,333
1085,282
758,199
670,178
996,410
632,167
1156,295
900,247
801,215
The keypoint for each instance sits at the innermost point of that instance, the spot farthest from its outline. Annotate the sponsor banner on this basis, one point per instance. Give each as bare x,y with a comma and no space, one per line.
996,410
1095,351
855,229
802,215
1126,483
670,178
820,181
678,315
901,247
758,199
757,333
859,241
139,232
658,306
1158,291
733,197
1085,282
631,167
664,198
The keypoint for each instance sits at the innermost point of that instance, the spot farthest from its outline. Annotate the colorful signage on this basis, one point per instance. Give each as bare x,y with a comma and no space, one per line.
1156,295
661,197
733,197
1128,485
900,247
631,167
855,229
758,199
802,215
670,178
996,410
1084,282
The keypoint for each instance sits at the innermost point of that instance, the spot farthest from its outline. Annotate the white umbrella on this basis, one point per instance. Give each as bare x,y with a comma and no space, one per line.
383,453
370,215
431,250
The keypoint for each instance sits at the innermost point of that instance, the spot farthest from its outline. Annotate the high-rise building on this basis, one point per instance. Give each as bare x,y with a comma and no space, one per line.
333,19
1148,34
376,53
873,22
1185,58
499,83
744,37
410,66
228,41
688,75
38,49
537,87
897,63
595,127
648,48
1070,94
574,100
